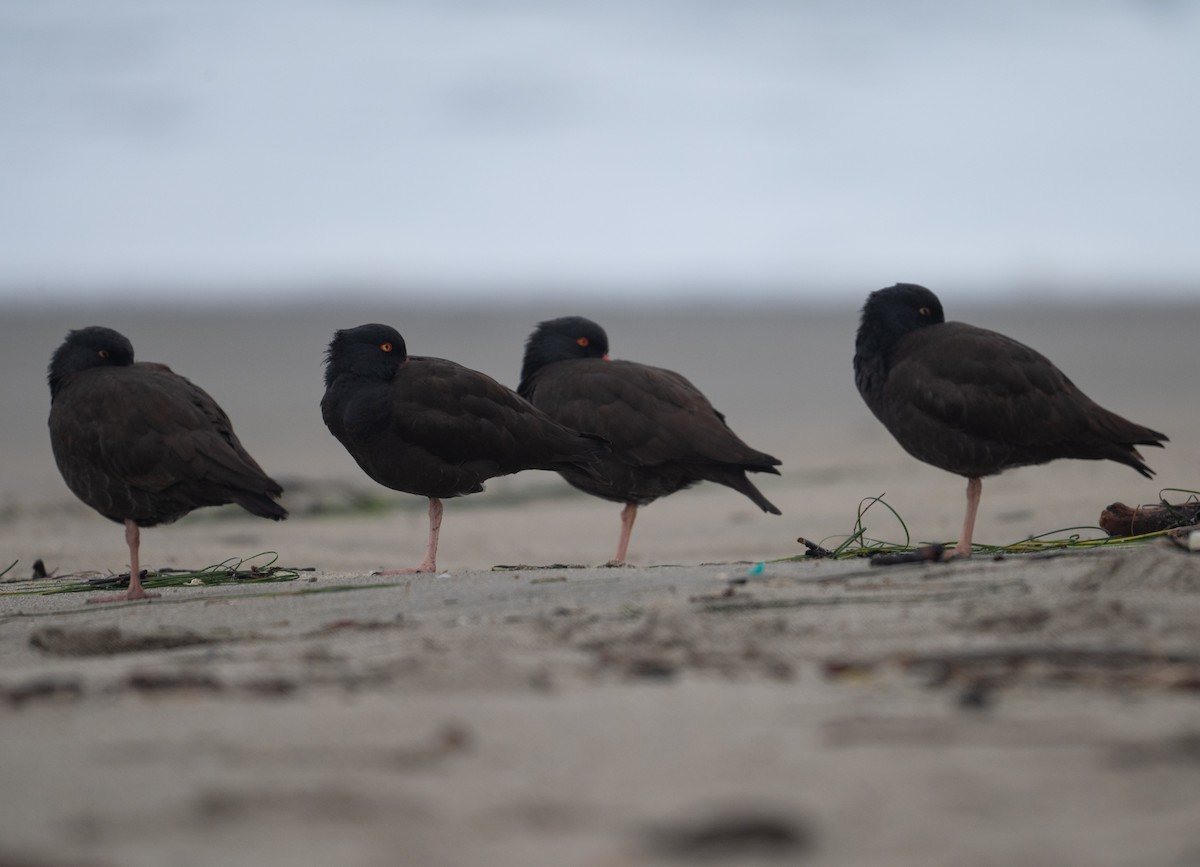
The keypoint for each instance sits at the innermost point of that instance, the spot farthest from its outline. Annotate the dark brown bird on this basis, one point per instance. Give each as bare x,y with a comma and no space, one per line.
974,402
432,427
665,435
142,445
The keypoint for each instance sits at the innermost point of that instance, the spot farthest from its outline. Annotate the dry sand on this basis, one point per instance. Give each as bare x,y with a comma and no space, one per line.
1029,710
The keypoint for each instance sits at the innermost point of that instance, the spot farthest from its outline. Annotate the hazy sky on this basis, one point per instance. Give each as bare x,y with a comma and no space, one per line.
640,146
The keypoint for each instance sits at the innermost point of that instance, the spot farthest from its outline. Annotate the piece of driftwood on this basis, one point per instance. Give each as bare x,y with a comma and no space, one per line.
1121,520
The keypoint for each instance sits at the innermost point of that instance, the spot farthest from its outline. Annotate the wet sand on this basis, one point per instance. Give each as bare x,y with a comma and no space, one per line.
671,711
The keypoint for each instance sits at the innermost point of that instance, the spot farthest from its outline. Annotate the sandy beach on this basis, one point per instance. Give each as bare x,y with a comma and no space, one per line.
691,707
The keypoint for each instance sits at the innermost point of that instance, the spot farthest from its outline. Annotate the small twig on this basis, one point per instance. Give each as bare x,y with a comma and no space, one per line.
813,549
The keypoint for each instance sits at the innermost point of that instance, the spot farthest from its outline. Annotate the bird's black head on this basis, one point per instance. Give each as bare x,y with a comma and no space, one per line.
561,339
891,313
86,348
371,351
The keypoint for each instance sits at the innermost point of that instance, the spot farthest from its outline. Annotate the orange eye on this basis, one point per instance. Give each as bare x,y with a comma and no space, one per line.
925,311
583,341
386,347
103,353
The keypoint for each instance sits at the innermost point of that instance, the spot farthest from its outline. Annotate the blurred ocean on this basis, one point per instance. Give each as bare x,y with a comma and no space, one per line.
636,149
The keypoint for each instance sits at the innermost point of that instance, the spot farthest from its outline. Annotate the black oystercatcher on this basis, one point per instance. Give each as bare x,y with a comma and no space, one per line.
665,435
142,445
432,427
975,402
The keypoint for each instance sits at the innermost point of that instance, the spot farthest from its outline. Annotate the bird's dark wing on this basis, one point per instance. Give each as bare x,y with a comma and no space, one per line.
650,415
461,416
179,433
958,388
143,441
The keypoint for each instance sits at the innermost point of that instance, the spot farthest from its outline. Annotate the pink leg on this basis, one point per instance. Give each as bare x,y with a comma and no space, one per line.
974,490
133,538
429,564
628,516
